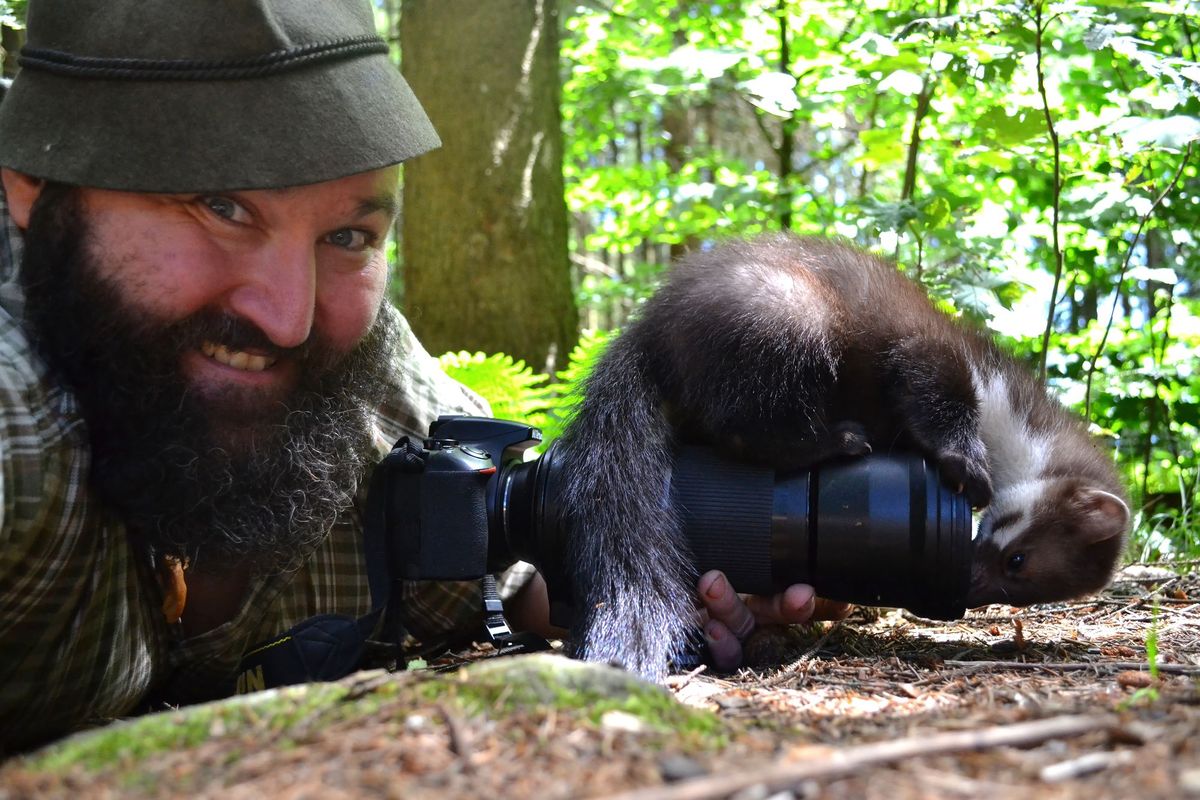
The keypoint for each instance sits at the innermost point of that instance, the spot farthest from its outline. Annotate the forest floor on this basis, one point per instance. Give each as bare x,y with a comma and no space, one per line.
1047,702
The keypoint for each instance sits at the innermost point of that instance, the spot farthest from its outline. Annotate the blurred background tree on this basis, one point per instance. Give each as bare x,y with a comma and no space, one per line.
485,227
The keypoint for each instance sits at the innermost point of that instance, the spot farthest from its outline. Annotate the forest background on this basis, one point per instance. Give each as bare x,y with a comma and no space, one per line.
1033,164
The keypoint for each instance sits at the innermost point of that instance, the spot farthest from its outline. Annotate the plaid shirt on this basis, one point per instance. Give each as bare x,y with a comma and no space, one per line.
82,634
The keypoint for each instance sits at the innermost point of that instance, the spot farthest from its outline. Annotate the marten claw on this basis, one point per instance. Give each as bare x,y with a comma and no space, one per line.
966,477
850,438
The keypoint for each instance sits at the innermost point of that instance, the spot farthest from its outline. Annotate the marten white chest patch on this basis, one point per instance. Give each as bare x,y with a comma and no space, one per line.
1015,453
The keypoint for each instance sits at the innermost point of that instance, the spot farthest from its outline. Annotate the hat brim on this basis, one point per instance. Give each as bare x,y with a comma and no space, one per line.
299,127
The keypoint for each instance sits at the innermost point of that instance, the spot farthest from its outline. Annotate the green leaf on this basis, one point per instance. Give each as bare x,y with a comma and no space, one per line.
932,215
1007,129
881,147
889,216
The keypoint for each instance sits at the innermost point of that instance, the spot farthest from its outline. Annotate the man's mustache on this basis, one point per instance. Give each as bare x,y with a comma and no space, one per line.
213,326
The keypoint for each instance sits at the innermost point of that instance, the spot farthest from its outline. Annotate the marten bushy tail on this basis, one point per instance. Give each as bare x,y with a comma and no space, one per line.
732,351
716,357
634,584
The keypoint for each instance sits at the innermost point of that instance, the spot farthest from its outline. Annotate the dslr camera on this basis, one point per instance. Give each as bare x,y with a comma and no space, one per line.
881,530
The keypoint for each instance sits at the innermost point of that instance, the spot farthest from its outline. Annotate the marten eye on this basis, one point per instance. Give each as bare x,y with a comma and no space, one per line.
1015,562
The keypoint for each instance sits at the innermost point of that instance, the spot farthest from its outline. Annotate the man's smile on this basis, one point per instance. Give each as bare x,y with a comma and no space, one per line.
238,359
240,383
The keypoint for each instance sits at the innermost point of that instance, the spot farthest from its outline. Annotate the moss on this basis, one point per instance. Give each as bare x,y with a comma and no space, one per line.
134,740
585,691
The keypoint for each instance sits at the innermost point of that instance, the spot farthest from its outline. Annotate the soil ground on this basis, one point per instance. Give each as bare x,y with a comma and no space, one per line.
1047,702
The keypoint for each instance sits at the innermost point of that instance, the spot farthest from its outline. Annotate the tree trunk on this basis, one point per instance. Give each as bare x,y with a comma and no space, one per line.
787,132
485,223
11,40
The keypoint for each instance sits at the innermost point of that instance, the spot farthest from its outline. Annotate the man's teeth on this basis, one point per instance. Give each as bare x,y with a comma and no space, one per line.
238,359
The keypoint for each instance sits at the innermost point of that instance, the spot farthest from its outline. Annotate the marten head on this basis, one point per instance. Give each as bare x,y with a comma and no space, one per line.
1045,540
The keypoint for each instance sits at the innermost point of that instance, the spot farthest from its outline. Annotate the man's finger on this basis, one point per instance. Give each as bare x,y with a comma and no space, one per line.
724,605
831,609
792,606
724,649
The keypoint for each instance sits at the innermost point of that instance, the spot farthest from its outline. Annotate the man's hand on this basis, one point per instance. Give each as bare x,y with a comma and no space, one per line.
731,617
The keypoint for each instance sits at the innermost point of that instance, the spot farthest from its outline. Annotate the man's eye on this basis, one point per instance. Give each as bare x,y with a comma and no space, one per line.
350,239
225,208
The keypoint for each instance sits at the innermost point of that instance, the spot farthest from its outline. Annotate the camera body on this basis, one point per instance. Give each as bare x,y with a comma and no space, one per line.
878,530
442,513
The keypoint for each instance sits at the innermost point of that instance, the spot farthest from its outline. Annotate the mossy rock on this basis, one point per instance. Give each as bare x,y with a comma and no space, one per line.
284,718
589,690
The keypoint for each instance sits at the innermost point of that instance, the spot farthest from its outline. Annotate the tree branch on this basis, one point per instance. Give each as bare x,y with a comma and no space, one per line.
1056,208
847,760
1112,313
787,133
914,139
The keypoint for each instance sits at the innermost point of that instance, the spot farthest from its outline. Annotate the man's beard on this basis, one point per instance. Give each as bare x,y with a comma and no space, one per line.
223,478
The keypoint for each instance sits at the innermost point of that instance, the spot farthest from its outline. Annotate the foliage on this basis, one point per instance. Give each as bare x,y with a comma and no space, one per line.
512,388
515,391
12,13
589,348
1005,154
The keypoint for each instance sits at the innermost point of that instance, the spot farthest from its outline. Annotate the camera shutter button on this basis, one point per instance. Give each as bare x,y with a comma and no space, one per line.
474,451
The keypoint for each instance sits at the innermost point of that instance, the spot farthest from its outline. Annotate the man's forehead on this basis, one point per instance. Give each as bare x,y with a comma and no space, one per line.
363,194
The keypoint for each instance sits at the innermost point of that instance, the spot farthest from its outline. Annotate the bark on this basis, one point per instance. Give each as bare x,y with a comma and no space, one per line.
484,241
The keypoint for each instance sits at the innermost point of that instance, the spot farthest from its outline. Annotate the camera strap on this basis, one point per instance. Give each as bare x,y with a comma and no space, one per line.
496,626
331,646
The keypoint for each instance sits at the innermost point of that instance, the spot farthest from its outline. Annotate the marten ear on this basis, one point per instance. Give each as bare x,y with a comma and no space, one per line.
1103,515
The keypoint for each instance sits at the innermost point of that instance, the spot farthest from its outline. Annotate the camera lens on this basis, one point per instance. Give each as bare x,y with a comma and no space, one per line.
880,530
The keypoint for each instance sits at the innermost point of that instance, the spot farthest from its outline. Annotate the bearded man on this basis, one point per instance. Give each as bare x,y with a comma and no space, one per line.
198,365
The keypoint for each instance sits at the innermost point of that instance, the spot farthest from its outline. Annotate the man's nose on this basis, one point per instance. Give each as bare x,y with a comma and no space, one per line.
277,292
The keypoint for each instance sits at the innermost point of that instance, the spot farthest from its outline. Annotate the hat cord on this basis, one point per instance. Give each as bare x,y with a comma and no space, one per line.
143,69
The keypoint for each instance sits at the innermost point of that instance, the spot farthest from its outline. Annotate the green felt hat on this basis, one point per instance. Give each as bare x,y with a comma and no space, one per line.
206,95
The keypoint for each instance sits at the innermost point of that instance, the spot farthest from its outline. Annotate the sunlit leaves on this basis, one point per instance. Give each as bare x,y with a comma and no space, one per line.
1167,133
12,13
1005,128
969,207
512,388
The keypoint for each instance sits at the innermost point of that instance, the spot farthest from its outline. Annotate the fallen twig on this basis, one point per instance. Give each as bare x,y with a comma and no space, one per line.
676,683
852,759
1071,666
459,744
1085,764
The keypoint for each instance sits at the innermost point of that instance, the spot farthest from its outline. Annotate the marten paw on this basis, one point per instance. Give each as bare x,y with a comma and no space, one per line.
966,476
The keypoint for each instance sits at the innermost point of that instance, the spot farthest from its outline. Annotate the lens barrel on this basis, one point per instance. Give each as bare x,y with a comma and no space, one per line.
880,530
